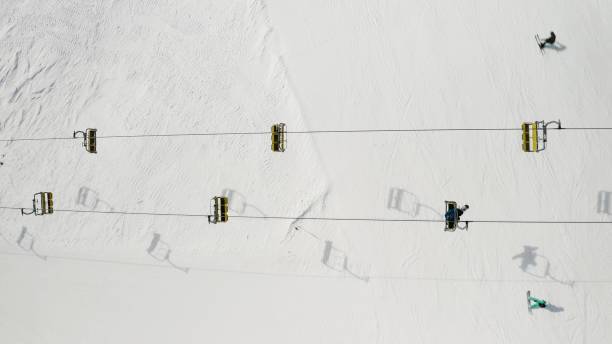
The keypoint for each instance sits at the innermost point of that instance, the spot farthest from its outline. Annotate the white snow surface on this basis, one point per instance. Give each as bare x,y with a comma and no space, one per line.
194,66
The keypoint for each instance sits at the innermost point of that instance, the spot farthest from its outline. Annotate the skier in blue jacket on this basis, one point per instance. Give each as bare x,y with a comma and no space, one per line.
455,214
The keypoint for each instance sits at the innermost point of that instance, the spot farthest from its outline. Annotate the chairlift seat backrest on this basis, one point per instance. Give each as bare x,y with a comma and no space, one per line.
90,140
43,203
526,137
223,209
531,137
278,137
49,202
534,136
220,209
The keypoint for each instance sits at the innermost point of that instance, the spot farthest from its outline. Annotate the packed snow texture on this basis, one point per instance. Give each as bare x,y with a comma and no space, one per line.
197,66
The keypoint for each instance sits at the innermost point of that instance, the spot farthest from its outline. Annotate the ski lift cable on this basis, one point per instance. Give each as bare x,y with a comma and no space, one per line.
355,219
339,131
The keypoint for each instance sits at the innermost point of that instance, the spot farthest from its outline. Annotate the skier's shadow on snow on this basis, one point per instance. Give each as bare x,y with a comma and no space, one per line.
408,203
557,47
552,308
529,258
160,250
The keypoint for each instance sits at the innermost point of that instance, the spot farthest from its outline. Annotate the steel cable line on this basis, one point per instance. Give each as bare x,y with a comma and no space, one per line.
339,131
313,218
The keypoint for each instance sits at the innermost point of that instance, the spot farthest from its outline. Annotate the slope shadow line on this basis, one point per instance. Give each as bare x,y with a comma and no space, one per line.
272,274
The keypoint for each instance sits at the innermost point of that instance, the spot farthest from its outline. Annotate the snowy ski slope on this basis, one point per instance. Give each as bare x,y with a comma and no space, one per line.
157,67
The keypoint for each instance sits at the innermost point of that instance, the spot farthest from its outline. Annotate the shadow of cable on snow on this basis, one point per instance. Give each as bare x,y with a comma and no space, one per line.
318,205
300,275
161,251
529,265
408,203
604,200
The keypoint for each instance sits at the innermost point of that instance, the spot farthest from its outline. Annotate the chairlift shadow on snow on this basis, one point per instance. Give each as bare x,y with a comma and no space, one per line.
26,242
337,260
161,251
408,203
90,199
238,203
604,200
529,258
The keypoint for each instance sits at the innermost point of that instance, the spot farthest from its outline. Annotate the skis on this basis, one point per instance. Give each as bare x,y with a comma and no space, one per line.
539,42
528,303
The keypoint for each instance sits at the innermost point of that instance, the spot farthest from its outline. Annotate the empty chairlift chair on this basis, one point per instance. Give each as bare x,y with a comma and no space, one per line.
218,208
279,137
89,139
42,204
534,135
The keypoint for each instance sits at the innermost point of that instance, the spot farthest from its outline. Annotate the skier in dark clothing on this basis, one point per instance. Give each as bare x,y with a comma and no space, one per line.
550,40
455,213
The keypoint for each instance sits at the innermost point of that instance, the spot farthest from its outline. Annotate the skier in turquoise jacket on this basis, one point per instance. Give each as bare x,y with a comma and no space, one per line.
535,303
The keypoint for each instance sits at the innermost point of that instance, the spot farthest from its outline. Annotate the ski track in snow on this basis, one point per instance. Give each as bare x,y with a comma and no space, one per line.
18,79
